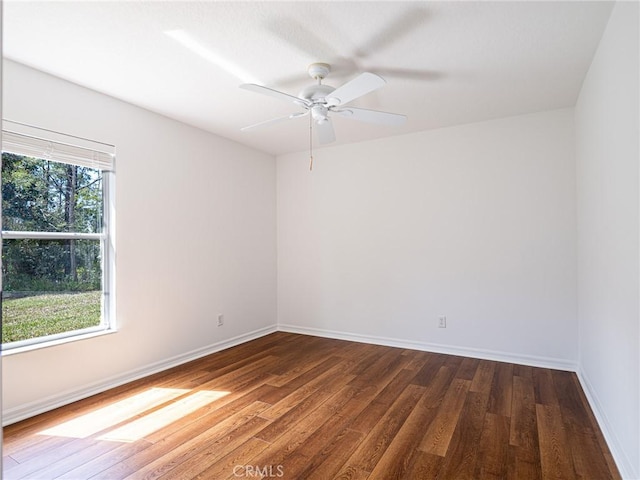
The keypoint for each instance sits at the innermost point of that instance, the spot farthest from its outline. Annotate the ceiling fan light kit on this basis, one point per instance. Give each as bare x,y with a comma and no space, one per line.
321,101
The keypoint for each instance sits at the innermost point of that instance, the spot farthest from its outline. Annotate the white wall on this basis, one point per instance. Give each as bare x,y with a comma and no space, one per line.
608,241
475,222
196,236
1,111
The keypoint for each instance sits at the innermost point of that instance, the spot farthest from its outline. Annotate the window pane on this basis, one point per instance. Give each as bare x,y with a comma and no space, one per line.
43,196
50,287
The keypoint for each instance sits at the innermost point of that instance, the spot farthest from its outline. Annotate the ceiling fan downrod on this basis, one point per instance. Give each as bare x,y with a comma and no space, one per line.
310,144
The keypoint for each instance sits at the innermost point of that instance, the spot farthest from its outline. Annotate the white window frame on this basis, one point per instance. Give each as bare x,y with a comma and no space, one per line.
27,140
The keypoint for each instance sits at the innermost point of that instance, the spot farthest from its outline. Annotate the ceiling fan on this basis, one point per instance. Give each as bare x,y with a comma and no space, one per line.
323,101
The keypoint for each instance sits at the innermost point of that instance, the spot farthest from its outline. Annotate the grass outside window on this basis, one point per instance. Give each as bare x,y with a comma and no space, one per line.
48,314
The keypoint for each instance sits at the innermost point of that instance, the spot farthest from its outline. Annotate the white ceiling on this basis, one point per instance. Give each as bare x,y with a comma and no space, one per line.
446,63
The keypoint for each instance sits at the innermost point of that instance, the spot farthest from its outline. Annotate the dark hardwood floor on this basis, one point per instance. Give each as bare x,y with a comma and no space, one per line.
300,407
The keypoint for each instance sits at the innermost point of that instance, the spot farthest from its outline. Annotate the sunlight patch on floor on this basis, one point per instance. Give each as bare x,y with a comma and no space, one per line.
132,407
103,418
153,422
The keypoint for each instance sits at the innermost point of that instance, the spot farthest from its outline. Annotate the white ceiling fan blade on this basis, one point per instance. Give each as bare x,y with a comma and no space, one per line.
274,93
361,85
325,132
274,121
372,116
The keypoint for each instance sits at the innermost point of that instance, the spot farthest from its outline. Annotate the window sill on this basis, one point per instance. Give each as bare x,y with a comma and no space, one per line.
56,342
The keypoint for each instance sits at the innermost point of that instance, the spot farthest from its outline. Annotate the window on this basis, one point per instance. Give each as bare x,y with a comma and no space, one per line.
57,242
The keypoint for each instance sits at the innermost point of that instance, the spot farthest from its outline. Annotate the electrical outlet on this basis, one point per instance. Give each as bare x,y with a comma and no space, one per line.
220,319
442,321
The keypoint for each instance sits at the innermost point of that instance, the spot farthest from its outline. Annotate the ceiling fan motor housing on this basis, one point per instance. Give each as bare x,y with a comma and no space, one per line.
316,93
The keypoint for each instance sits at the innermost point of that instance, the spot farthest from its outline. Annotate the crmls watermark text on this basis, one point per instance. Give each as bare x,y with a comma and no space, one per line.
257,471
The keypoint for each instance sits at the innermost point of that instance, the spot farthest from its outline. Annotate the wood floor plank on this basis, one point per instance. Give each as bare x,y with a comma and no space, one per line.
369,452
544,388
524,371
165,449
325,451
326,379
460,460
101,462
368,356
286,449
327,464
501,390
293,416
436,440
379,405
197,454
555,452
417,359
524,431
491,460
217,410
587,455
524,453
423,465
384,366
483,378
431,367
594,432
283,377
227,466
235,379
394,463
310,374
55,466
520,465
42,444
316,408
8,462
438,387
467,369
166,455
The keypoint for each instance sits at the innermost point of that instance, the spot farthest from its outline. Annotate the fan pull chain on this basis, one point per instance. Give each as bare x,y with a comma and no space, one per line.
310,143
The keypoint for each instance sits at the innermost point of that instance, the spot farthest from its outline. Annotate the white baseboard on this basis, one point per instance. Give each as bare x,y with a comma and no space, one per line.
13,415
531,360
623,463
